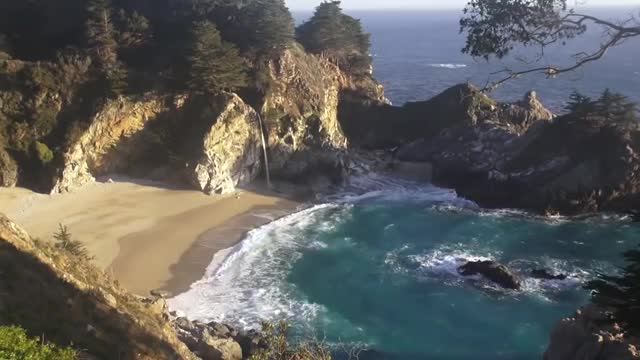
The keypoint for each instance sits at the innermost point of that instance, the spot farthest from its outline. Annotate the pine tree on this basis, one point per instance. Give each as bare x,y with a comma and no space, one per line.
580,105
100,33
616,108
337,36
621,293
65,242
215,65
273,27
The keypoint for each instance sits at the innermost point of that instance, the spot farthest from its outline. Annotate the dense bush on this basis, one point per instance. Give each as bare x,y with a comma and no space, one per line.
275,338
621,292
338,36
612,107
16,345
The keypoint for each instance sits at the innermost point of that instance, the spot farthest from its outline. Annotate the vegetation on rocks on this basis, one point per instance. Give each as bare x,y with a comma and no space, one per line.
337,36
621,293
16,345
275,337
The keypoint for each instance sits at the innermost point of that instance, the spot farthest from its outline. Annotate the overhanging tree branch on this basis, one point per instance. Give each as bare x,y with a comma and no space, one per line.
496,27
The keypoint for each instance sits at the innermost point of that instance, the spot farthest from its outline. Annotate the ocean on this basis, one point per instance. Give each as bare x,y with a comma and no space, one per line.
418,54
374,265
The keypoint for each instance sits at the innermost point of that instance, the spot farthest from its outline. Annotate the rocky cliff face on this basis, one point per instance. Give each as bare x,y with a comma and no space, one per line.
588,335
212,143
116,133
508,155
54,294
231,149
300,111
8,169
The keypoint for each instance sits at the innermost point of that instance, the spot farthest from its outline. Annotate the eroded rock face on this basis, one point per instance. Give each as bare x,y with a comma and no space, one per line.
498,273
8,170
588,335
305,138
107,146
69,301
231,150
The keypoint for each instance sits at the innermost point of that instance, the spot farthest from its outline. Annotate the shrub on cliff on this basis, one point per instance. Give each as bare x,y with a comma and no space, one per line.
215,65
42,152
274,337
16,345
338,36
66,243
621,292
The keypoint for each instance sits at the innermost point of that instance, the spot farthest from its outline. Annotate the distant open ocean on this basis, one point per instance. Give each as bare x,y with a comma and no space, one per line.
417,55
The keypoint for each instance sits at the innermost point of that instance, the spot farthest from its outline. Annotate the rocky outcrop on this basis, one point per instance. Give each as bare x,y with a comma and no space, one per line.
590,335
213,143
300,110
115,136
231,150
8,169
497,273
61,297
514,155
215,341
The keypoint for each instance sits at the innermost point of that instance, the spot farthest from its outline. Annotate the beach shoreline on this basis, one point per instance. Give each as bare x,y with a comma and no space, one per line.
145,235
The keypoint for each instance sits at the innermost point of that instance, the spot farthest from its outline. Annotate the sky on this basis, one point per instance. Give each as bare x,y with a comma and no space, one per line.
425,4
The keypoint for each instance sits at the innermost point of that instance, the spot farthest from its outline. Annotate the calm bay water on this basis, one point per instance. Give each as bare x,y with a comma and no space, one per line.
376,265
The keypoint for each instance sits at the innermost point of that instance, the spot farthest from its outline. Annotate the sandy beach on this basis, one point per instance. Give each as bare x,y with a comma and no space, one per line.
147,236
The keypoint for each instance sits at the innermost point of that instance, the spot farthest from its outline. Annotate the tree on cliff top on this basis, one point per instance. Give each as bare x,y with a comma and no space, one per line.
264,28
621,292
338,36
496,27
215,65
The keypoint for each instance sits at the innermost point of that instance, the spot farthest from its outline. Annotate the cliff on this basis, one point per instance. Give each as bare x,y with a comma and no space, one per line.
588,335
55,294
507,155
211,143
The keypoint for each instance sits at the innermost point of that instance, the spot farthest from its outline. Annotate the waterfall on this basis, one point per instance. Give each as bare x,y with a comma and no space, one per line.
264,151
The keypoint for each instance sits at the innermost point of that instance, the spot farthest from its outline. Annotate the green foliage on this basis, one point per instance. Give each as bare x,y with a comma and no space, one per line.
16,345
621,293
100,33
215,65
134,29
580,105
338,36
494,28
66,243
269,27
616,107
116,79
274,337
612,107
42,152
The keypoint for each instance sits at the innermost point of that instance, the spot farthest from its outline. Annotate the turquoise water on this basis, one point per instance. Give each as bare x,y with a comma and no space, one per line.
379,270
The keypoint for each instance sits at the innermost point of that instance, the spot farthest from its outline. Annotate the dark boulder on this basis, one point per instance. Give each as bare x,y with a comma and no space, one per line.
498,273
545,275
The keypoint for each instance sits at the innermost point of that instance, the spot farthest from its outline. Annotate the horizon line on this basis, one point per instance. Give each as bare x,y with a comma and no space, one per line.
599,6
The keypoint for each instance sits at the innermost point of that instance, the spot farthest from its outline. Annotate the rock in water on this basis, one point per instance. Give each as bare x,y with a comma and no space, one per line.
545,275
493,271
